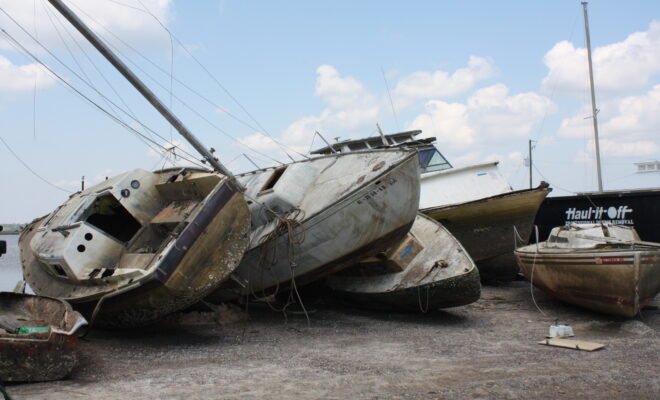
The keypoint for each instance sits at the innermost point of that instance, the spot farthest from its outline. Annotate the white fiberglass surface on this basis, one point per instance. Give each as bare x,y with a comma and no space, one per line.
460,185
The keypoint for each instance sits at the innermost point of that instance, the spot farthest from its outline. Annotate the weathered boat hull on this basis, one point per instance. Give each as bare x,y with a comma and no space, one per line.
608,281
205,244
39,356
489,228
427,270
376,212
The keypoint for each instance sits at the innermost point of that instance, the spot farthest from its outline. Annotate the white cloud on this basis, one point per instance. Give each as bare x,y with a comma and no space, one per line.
638,149
491,115
618,67
628,118
126,18
351,109
448,122
636,116
15,78
501,116
260,142
423,84
340,92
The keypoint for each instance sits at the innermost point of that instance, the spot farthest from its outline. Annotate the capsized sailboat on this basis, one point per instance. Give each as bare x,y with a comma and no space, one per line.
141,245
602,267
428,269
475,203
317,216
138,246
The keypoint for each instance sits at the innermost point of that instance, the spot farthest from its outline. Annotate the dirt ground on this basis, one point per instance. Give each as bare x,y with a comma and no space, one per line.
486,350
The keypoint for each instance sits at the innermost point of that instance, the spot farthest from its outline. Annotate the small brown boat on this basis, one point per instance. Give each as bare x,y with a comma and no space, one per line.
37,338
427,270
602,267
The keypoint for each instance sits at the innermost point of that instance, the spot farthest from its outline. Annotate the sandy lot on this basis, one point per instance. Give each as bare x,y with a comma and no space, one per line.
482,351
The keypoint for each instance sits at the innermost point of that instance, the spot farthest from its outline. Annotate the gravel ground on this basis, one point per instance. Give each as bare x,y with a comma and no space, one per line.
482,351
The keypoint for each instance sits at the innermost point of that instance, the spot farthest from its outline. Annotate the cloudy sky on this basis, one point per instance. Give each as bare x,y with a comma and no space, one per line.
259,77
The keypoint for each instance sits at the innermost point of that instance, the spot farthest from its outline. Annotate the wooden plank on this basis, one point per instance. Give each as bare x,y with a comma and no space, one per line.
572,344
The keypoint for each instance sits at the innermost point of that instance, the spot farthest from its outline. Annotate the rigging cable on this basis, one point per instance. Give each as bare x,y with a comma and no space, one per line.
217,82
30,169
89,80
389,94
282,146
184,103
20,47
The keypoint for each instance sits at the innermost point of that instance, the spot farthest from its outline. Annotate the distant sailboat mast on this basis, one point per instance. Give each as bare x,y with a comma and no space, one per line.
143,89
594,110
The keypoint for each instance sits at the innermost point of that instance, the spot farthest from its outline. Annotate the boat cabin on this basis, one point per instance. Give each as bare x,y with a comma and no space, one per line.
430,159
118,226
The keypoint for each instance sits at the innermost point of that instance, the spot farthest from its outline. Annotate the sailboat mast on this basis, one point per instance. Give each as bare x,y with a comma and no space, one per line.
594,110
141,87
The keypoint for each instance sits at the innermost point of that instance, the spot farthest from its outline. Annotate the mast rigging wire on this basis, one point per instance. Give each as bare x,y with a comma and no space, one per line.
89,80
224,89
20,47
184,103
30,169
217,82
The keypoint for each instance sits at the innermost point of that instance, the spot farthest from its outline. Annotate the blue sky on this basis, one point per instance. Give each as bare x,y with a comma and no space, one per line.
483,77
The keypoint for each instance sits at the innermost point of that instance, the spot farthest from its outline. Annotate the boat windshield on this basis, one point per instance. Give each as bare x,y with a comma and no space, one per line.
431,160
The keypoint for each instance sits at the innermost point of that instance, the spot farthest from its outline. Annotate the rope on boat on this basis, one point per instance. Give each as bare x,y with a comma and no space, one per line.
290,223
531,278
423,309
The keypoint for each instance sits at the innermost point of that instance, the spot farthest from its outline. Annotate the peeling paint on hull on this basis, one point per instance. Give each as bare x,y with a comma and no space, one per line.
608,281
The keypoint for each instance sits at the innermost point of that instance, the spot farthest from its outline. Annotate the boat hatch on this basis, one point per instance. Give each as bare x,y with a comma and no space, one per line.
431,160
270,183
108,215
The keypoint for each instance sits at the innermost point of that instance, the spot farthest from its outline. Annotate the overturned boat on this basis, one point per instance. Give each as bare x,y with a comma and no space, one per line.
602,267
138,246
38,340
427,270
475,203
314,217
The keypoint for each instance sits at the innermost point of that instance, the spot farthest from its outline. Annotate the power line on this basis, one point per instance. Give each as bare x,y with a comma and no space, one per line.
184,103
31,170
20,47
217,82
